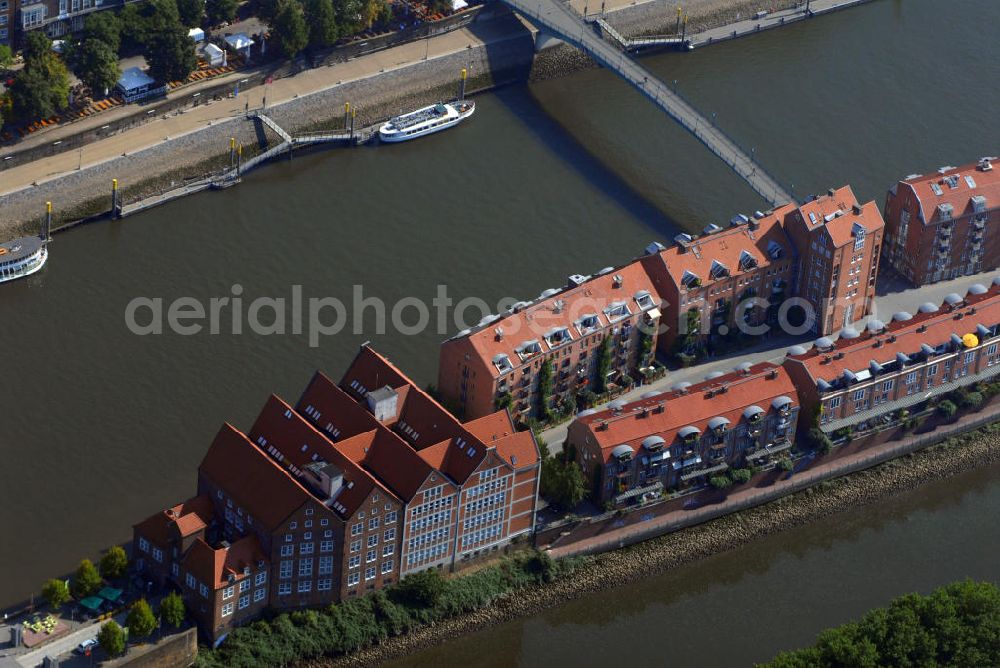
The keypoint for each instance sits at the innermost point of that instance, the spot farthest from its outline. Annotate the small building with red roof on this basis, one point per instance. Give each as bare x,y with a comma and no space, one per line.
936,224
678,439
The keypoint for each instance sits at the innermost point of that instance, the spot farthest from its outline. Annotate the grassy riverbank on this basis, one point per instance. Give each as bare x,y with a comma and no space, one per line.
975,449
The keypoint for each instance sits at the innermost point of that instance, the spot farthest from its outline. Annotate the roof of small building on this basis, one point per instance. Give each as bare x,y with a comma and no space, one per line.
214,565
133,79
183,520
693,408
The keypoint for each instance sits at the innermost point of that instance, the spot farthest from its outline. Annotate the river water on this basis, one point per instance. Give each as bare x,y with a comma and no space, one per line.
101,427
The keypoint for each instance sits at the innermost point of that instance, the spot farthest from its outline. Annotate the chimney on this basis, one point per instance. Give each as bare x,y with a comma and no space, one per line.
985,165
617,280
576,280
382,403
498,332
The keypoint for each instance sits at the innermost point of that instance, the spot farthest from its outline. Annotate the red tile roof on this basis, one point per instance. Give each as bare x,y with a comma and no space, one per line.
519,450
987,184
727,247
838,209
253,479
491,427
213,566
301,444
635,421
930,328
533,321
180,521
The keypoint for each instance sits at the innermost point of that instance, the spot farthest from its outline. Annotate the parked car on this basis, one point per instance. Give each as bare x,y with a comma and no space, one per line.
86,646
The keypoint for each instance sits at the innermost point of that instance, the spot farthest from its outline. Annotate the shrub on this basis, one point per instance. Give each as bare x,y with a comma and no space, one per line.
973,401
786,464
947,409
740,476
720,481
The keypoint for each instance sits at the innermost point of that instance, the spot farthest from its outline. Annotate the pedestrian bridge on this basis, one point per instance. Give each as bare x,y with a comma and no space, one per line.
557,18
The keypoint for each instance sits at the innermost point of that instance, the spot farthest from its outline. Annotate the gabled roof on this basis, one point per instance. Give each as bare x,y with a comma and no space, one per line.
835,214
336,407
519,450
727,248
491,427
302,444
253,479
902,337
692,408
213,566
180,521
555,310
383,454
926,187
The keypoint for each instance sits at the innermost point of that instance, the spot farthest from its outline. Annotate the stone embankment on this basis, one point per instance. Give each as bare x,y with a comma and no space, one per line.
191,155
962,453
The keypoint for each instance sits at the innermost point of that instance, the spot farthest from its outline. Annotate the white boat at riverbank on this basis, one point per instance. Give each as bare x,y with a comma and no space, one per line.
22,257
425,121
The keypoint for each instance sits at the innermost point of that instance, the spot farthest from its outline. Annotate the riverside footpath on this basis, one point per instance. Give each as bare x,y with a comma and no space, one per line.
610,531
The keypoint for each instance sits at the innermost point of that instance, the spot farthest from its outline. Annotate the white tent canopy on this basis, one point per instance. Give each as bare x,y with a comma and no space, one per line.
458,4
197,34
239,41
214,55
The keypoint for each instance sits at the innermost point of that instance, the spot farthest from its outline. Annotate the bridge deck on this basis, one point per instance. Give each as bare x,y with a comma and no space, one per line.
560,20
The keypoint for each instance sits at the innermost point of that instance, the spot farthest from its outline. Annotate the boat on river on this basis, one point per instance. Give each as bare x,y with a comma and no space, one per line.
425,121
22,257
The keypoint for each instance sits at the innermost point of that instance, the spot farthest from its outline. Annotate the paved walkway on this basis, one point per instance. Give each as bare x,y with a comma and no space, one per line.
281,90
902,298
650,524
751,25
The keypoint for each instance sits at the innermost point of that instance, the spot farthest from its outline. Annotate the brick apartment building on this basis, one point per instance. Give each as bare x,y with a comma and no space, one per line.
56,17
8,19
497,362
358,485
864,376
703,280
937,224
677,439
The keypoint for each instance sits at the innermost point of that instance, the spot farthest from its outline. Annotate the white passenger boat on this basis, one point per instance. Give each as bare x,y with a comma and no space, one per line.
22,257
434,118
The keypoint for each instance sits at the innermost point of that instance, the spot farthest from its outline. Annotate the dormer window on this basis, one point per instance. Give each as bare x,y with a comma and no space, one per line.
617,311
643,299
588,323
690,279
774,249
859,236
502,363
944,211
747,261
528,348
558,336
718,270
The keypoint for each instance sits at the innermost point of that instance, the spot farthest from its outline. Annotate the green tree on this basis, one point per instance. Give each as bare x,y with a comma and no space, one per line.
170,54
973,401
741,476
266,10
423,589
104,27
289,28
786,464
370,10
322,22
947,409
603,365
112,638
191,12
36,46
221,10
87,580
562,481
819,440
172,609
97,66
55,592
6,56
140,621
142,21
545,390
114,562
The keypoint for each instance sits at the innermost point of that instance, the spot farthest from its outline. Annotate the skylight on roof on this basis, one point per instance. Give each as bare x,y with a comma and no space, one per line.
937,189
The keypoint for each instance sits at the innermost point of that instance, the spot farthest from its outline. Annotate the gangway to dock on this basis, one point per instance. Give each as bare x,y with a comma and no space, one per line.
634,44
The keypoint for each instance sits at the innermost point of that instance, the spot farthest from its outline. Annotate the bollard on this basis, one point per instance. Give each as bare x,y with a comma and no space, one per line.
347,114
115,210
47,225
461,87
